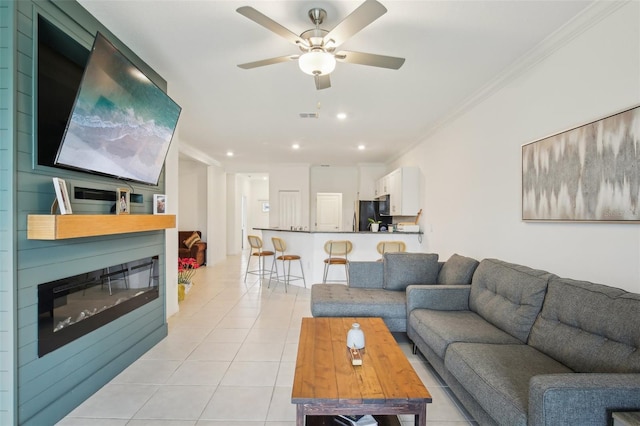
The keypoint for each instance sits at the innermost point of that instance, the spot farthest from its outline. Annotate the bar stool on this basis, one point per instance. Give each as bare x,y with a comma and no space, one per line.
281,247
391,247
256,250
338,252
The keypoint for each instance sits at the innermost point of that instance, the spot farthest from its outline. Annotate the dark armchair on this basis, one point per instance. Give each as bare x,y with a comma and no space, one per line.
190,246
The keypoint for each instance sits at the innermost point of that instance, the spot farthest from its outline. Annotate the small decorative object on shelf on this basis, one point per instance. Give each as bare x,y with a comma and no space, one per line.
355,337
159,204
62,197
186,270
122,202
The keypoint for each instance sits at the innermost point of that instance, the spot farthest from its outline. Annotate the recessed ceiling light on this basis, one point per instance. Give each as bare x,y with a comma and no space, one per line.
341,115
295,146
361,147
229,153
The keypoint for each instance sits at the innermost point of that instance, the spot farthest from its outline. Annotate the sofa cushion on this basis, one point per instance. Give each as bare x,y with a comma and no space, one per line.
441,328
337,300
193,238
366,274
601,323
497,376
457,270
403,269
507,295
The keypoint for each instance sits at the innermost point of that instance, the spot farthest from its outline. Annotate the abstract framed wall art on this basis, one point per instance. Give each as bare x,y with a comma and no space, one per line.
590,173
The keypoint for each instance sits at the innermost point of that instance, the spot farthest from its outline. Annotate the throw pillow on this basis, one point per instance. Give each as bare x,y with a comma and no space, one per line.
194,238
403,269
457,270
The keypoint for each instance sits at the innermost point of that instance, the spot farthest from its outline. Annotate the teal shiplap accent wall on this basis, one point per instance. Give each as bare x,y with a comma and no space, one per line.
7,217
46,389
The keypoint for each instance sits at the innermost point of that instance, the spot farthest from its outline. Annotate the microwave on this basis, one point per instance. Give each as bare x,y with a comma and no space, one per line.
384,205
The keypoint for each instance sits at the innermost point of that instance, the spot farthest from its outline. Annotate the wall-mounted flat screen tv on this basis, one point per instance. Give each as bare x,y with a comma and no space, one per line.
121,124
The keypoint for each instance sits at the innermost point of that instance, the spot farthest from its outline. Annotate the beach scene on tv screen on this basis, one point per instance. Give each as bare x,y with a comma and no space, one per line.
121,123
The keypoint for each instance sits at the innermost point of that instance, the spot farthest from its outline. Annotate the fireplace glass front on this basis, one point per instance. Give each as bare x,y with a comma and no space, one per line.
74,306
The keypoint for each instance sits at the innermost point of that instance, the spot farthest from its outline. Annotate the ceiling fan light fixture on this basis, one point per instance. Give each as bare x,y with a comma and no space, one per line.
317,62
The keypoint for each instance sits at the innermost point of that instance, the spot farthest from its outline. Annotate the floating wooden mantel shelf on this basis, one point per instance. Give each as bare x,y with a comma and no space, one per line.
59,227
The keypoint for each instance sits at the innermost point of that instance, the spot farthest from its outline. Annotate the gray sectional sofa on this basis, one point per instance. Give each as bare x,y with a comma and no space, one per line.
377,289
517,346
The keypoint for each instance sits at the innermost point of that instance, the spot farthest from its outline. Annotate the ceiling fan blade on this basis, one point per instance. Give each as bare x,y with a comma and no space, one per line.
261,19
322,81
269,61
370,59
365,14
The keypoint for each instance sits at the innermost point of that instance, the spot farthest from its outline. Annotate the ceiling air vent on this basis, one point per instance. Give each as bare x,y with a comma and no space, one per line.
309,115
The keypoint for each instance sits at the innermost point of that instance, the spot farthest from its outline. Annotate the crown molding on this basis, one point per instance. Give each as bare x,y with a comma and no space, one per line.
583,21
197,155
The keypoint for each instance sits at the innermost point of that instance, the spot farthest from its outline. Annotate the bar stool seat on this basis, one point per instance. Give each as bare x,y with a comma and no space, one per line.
280,246
338,251
256,250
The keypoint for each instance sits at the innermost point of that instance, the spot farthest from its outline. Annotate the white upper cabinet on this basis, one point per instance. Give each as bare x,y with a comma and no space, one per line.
382,186
403,187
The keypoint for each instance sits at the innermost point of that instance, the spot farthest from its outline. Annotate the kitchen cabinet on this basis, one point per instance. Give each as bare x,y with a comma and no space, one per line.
403,187
382,186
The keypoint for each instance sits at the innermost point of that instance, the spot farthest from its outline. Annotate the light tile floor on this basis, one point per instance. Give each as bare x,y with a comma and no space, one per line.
229,359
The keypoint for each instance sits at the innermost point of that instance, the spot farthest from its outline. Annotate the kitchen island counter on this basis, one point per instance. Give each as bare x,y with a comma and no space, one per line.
338,232
309,245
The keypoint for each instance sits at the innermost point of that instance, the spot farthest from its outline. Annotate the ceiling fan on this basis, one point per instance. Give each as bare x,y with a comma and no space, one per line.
319,46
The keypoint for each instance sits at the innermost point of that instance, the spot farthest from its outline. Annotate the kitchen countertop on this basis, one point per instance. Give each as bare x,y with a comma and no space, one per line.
338,232
309,245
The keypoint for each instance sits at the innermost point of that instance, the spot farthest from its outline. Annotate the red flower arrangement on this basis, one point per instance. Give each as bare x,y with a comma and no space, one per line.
186,269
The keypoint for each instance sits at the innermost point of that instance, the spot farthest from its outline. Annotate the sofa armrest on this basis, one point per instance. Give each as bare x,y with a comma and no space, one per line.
441,297
366,274
580,399
193,251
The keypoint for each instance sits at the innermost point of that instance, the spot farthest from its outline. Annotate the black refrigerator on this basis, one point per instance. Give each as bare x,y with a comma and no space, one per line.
370,209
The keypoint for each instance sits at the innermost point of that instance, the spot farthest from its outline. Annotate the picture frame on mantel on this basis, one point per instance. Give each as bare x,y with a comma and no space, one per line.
589,173
123,201
159,204
62,197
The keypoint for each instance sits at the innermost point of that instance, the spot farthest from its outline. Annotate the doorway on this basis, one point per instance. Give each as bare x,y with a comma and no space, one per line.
329,211
290,209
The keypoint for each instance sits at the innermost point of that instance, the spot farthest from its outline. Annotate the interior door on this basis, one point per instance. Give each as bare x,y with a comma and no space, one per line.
290,209
328,211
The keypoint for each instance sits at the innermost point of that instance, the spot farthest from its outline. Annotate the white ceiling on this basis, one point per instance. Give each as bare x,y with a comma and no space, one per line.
453,50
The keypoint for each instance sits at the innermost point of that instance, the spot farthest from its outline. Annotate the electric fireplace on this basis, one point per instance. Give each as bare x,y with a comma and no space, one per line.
74,306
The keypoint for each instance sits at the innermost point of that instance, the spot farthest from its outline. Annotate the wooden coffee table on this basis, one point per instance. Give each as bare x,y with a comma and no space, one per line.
325,382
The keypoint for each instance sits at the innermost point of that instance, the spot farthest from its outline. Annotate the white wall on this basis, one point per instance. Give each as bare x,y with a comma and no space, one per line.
237,187
288,178
342,180
202,204
216,215
472,165
258,193
193,195
171,186
255,191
